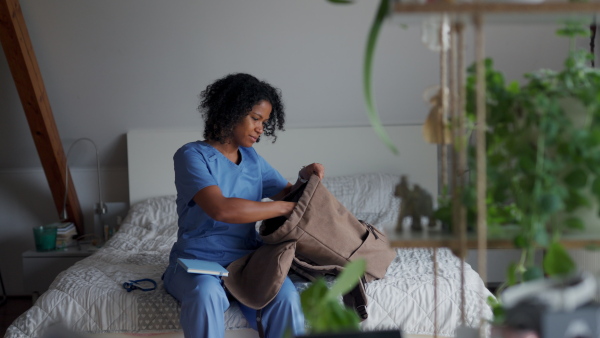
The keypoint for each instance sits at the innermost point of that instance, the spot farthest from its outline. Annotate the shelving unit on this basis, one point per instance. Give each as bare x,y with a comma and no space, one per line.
437,239
475,14
498,7
452,72
502,12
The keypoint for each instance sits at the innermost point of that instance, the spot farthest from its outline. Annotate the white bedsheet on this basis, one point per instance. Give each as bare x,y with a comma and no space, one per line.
89,296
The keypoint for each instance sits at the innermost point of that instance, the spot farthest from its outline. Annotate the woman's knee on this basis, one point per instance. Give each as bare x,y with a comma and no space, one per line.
196,288
206,287
287,294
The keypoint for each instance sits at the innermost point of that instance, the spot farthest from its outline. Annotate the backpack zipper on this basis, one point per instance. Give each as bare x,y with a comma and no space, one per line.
372,229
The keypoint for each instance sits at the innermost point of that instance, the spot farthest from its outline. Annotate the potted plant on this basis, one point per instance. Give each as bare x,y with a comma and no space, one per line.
543,162
543,159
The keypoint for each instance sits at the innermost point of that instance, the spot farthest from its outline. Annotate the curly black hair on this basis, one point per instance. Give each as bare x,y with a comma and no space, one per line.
225,102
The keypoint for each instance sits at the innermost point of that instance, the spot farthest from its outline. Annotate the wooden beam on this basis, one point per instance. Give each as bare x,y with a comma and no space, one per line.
28,79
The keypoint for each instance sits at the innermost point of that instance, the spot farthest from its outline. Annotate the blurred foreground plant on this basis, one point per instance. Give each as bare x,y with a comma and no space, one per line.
322,307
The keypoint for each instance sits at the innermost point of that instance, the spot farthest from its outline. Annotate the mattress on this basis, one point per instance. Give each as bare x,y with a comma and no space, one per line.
89,296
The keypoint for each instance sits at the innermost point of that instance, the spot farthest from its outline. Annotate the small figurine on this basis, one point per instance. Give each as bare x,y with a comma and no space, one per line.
416,203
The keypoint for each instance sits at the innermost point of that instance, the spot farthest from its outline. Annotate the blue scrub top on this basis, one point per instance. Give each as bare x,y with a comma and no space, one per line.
199,165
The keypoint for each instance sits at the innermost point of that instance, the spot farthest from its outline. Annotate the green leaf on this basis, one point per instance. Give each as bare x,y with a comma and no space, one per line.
550,203
312,296
596,187
521,242
343,319
334,317
573,29
594,138
513,87
347,279
577,178
527,164
533,273
321,305
557,261
382,12
541,237
592,247
511,274
497,310
443,214
574,223
575,200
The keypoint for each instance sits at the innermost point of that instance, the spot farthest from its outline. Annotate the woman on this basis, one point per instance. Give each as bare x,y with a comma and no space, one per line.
220,183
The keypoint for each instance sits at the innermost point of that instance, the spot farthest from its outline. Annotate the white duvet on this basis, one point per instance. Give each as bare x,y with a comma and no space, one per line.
89,296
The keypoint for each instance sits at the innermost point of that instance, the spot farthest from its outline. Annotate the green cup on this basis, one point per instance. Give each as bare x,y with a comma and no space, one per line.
45,238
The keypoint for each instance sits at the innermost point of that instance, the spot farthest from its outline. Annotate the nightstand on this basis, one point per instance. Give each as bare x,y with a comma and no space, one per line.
40,268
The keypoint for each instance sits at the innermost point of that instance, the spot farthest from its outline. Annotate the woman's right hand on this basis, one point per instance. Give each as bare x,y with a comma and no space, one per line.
291,206
311,169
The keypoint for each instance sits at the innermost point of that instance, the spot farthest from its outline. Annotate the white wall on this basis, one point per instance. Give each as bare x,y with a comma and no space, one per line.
114,65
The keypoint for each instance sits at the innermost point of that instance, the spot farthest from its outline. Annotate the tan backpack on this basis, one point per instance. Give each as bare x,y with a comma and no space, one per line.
319,238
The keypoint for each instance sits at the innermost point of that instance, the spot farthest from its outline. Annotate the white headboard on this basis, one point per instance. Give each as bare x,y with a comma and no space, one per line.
342,150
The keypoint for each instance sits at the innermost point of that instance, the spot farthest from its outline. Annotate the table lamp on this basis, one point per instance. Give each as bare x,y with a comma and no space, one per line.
100,208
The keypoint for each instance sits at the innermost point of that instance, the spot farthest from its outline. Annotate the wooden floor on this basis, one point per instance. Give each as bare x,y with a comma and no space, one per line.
11,309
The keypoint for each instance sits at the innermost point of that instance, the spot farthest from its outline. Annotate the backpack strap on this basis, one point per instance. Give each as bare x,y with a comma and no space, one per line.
357,297
259,325
311,271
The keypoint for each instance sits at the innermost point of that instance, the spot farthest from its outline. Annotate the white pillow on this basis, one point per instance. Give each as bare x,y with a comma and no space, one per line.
370,197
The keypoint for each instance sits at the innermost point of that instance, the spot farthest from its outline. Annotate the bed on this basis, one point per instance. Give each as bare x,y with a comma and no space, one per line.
89,296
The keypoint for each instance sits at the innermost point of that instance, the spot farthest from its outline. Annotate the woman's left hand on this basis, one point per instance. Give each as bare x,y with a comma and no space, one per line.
312,169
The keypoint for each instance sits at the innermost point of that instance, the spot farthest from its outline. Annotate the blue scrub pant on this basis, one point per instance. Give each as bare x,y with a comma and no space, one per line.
204,302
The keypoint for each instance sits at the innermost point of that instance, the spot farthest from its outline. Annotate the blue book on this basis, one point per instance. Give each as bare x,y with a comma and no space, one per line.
203,267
